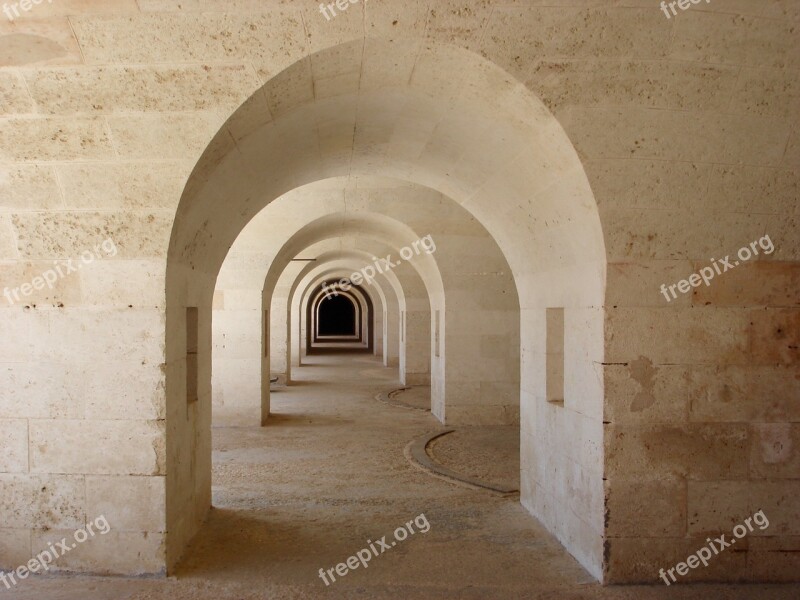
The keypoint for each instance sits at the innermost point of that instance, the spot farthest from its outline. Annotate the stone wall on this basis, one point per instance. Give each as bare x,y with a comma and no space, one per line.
686,127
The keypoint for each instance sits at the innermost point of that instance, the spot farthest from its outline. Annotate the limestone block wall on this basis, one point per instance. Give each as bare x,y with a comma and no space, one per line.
687,130
483,377
701,414
236,351
416,343
561,444
279,326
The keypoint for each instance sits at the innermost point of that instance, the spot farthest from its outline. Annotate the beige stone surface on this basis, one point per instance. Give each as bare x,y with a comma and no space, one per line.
43,391
134,234
717,451
14,98
122,186
128,503
775,453
636,508
80,446
735,393
169,136
113,90
603,148
38,42
684,335
14,433
54,138
640,392
636,558
42,501
101,554
775,336
29,188
15,547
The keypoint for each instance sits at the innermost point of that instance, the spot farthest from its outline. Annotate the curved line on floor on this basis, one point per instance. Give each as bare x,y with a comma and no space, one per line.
417,454
386,398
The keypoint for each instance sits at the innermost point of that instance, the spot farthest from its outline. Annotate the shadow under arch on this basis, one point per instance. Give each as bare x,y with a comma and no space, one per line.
479,137
319,296
338,262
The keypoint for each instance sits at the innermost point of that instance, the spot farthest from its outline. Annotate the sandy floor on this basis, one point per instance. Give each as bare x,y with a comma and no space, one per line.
416,396
488,454
326,475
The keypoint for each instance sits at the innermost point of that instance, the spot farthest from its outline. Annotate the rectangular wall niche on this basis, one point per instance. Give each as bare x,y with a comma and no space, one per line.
554,371
191,353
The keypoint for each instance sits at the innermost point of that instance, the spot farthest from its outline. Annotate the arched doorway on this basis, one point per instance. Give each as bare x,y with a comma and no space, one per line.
492,147
336,317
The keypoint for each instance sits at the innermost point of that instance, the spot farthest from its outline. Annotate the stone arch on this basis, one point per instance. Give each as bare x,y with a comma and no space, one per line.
423,277
355,297
388,290
481,138
314,294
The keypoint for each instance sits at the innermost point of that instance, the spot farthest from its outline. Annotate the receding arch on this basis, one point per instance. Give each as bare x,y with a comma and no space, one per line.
363,314
411,295
484,140
340,263
422,209
337,316
394,235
